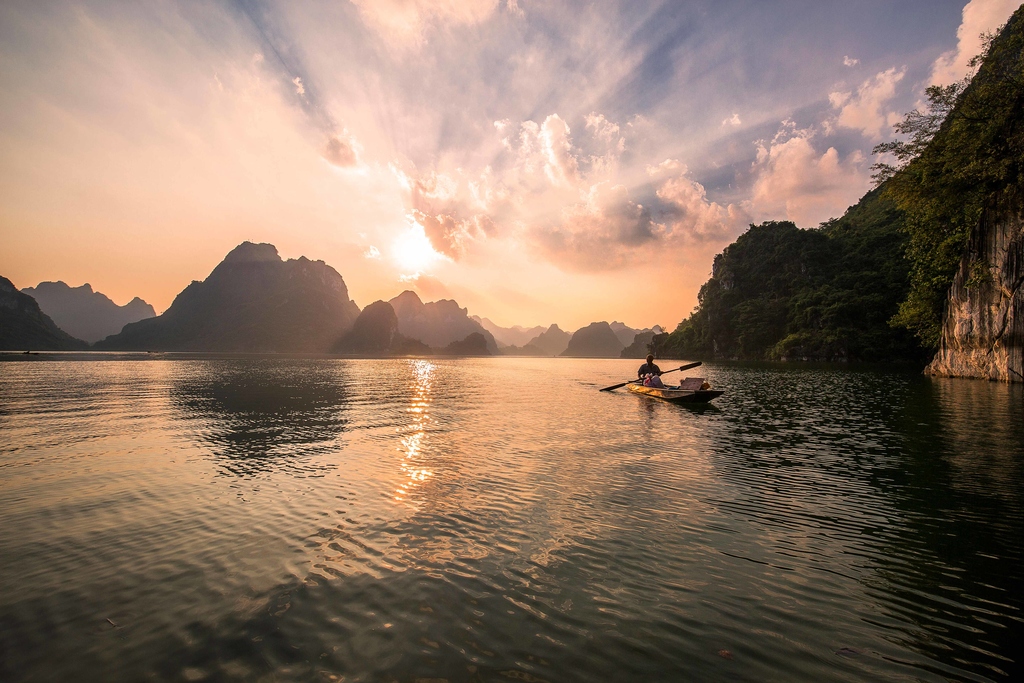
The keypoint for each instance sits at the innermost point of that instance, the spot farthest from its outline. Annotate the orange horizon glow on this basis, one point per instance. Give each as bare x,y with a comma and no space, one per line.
451,148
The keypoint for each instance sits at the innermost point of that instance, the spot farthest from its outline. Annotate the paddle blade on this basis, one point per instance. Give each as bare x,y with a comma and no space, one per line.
616,386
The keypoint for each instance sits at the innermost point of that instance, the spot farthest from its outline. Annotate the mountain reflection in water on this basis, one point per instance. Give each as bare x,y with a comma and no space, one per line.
487,519
258,416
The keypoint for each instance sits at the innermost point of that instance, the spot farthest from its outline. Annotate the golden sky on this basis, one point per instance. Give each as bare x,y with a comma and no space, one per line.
538,162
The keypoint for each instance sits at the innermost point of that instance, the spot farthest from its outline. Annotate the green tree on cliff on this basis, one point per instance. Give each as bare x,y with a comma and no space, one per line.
965,148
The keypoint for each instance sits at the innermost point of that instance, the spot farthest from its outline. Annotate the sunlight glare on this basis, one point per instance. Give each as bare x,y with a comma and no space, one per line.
413,252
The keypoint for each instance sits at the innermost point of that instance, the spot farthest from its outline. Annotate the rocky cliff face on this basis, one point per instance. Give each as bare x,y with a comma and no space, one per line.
983,327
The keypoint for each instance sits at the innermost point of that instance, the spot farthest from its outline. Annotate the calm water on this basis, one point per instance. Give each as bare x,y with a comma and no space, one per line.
500,519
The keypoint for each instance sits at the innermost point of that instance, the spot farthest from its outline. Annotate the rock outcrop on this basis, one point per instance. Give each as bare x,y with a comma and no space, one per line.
596,340
86,314
24,327
253,301
983,326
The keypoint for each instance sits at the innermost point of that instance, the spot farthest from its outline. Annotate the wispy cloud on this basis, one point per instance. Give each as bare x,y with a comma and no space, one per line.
495,141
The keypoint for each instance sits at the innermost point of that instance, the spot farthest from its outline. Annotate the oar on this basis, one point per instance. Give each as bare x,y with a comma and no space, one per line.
681,367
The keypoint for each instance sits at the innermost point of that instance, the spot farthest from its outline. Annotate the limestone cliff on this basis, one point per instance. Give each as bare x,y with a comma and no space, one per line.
983,326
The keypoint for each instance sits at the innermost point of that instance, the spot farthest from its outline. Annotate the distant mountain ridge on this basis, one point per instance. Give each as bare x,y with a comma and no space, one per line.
253,301
375,332
517,335
24,327
84,313
551,341
438,323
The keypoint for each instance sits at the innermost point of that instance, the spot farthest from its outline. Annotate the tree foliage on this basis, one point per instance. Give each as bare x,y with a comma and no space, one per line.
872,285
966,148
779,292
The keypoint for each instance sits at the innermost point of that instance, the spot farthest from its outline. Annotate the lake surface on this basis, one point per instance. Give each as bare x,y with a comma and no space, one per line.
500,519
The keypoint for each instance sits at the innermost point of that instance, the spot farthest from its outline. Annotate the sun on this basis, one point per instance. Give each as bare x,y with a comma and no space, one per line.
412,251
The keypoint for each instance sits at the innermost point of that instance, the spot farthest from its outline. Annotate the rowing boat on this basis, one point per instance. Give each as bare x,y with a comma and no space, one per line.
688,391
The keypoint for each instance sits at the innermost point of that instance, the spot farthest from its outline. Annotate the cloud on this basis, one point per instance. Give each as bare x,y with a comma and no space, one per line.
865,108
793,181
733,120
692,217
850,61
371,252
979,17
404,23
299,88
574,208
340,150
513,8
601,231
451,209
545,148
605,130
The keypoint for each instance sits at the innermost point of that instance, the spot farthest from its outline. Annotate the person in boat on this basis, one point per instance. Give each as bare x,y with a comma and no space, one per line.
648,368
650,373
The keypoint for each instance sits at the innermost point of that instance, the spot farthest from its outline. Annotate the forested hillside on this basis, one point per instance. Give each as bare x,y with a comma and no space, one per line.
965,152
781,292
873,285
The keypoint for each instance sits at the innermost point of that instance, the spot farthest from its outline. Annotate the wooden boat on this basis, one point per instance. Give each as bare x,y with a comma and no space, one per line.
688,391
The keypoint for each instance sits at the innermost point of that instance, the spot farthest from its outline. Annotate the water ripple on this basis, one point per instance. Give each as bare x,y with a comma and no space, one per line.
241,518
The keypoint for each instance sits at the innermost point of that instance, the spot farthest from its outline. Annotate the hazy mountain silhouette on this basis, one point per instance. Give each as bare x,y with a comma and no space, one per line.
86,314
551,342
596,340
24,327
517,335
475,344
527,350
252,301
624,332
375,332
436,324
642,341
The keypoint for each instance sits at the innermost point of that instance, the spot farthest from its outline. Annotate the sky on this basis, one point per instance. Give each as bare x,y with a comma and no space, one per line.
539,162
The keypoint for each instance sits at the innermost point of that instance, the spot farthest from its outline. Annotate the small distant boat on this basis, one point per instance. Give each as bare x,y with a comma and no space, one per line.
689,391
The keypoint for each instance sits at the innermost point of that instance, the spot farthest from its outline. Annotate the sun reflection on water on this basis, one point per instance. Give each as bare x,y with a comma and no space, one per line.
414,434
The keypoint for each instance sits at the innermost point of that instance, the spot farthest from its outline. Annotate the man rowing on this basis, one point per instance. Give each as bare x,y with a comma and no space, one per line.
648,368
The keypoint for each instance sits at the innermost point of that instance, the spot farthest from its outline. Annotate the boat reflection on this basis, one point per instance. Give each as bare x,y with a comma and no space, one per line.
259,417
